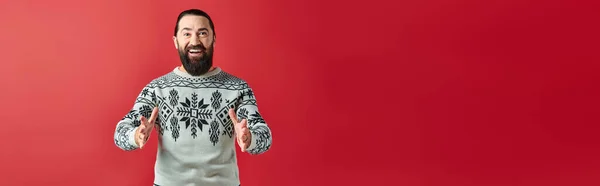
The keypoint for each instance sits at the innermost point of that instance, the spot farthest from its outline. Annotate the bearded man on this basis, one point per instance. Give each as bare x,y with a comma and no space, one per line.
199,112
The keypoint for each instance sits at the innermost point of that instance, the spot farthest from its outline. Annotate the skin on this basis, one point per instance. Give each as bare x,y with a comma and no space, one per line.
194,31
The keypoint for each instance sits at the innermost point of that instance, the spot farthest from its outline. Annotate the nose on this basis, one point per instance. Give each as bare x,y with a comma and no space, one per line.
195,40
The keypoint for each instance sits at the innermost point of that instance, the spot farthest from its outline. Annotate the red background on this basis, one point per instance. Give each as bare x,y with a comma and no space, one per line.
411,93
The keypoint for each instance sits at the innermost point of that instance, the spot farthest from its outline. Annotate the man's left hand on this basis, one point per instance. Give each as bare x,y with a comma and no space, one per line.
242,133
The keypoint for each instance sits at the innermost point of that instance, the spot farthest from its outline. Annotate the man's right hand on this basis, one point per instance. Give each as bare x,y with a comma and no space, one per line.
143,132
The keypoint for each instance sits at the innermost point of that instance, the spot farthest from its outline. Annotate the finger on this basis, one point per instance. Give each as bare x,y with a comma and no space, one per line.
243,135
145,126
154,115
142,128
244,143
143,138
244,131
141,141
247,141
241,125
244,124
244,138
143,120
232,116
149,127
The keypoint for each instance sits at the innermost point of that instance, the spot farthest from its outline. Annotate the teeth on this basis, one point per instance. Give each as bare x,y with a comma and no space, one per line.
194,50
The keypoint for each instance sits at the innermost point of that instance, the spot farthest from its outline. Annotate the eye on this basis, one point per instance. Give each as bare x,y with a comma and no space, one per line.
186,34
203,33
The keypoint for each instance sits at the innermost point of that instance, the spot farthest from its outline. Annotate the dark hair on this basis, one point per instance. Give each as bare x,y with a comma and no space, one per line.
195,12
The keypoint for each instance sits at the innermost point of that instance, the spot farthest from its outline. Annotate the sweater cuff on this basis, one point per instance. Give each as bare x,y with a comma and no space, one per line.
131,139
253,142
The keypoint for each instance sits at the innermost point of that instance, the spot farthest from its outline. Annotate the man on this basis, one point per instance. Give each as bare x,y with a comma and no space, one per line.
198,111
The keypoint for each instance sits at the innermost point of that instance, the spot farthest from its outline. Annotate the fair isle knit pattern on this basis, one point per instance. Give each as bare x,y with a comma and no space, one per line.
196,141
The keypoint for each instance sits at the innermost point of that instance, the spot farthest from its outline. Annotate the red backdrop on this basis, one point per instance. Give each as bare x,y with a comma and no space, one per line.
410,93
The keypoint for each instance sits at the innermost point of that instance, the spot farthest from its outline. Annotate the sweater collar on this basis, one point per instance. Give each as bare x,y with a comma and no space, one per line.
215,71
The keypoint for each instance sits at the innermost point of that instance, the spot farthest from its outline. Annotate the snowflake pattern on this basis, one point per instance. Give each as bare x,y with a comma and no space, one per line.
133,115
194,113
255,119
242,114
146,111
196,110
145,92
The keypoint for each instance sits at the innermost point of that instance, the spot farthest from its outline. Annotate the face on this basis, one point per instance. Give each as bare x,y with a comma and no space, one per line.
194,42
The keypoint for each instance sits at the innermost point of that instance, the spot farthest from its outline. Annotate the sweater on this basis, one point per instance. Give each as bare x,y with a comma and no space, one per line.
196,140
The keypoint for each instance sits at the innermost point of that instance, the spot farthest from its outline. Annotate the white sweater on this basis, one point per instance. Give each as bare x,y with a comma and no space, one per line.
196,141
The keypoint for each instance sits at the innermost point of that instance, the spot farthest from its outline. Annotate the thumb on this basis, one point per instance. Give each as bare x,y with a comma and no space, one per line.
154,115
233,116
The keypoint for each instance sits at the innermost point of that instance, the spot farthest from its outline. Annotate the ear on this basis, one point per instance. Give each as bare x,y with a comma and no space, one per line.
175,42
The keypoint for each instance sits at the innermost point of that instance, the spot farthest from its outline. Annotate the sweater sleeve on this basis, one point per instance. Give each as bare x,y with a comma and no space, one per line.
260,131
125,130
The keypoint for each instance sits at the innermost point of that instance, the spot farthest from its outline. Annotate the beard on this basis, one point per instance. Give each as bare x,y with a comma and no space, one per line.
197,65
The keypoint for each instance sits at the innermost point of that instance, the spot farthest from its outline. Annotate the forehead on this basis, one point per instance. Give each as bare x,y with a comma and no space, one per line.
194,22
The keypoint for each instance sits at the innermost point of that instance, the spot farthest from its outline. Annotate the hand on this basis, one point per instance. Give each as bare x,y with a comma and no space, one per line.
143,132
242,133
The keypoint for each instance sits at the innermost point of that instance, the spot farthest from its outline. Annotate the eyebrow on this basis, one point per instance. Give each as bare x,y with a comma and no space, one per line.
189,29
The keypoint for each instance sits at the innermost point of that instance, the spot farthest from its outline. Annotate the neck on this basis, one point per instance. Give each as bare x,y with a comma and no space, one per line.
183,69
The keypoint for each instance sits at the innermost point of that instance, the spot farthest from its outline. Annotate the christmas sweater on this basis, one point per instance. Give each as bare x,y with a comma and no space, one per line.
196,140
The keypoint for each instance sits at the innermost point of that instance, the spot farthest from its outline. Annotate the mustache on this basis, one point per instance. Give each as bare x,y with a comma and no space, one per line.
199,47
